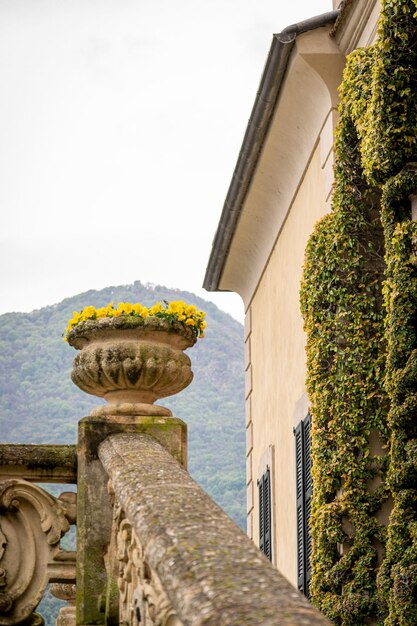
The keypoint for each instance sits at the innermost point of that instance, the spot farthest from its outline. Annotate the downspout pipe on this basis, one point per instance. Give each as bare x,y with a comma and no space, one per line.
257,128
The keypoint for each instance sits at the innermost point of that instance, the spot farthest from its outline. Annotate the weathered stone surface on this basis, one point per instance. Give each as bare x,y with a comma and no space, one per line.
32,523
211,572
131,360
66,615
131,369
141,598
94,514
180,336
39,463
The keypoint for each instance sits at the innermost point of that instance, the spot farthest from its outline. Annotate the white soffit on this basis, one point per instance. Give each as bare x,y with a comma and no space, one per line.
307,95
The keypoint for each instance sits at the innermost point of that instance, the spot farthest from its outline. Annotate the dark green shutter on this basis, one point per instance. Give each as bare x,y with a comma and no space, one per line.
304,491
308,493
264,491
299,481
261,514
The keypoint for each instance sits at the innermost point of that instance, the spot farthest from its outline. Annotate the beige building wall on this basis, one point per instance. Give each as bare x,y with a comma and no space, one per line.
276,398
290,189
275,359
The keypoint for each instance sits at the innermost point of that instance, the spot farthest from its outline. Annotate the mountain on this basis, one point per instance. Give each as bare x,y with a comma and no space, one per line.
40,404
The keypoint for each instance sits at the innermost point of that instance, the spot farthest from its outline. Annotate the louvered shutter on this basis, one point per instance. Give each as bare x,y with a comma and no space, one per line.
304,492
261,486
299,477
264,490
308,493
267,515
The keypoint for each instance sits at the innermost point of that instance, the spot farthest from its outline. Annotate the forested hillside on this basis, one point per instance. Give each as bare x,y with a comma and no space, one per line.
40,404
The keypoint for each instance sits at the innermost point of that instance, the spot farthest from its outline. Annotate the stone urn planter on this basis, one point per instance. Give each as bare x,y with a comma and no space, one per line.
131,362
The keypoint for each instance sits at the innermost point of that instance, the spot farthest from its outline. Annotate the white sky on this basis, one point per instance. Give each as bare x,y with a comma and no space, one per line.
120,125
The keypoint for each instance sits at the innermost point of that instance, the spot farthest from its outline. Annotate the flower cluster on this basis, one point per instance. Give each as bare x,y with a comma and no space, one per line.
176,311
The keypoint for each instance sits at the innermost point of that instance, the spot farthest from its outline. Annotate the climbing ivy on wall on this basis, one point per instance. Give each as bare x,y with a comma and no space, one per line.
398,574
362,350
341,300
388,126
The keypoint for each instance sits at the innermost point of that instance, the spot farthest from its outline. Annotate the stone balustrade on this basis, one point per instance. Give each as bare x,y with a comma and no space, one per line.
153,548
180,559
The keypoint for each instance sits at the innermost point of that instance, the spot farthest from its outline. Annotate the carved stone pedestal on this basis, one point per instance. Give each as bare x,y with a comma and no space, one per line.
66,615
95,511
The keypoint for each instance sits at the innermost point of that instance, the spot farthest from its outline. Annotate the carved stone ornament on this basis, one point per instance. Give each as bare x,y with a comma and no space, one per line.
142,599
131,362
32,523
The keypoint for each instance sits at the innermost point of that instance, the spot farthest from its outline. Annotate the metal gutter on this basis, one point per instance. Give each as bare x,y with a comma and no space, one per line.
257,128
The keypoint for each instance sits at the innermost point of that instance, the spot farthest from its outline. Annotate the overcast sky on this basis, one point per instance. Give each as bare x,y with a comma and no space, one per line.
120,126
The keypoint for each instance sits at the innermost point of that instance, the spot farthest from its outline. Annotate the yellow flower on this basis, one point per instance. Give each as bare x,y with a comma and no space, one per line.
88,312
176,306
156,308
186,314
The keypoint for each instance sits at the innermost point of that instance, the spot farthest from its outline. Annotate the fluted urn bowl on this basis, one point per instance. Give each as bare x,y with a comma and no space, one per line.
131,362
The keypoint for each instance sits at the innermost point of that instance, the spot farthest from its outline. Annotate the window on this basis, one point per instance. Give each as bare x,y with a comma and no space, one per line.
264,489
304,490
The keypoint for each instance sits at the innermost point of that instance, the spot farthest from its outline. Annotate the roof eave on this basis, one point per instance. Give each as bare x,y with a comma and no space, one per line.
256,131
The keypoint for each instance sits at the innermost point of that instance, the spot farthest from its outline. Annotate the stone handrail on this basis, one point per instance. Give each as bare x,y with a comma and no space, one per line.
176,558
155,550
39,463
